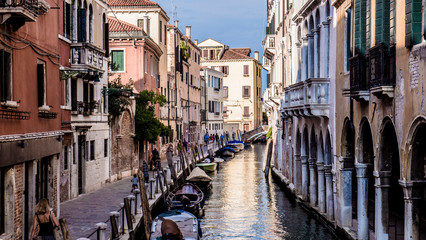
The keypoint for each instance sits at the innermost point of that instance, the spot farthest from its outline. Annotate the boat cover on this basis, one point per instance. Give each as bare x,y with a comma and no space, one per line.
198,175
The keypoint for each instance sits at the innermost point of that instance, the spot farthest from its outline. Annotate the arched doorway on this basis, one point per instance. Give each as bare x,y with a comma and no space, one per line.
389,219
298,164
321,177
349,187
414,188
328,166
305,168
365,181
313,184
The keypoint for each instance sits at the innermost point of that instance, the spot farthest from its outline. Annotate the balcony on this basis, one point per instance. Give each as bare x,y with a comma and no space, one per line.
382,70
307,98
86,56
85,108
358,79
19,12
374,74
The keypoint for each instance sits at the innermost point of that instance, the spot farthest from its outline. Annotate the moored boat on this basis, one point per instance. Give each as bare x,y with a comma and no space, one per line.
226,152
199,178
207,167
238,144
187,197
186,222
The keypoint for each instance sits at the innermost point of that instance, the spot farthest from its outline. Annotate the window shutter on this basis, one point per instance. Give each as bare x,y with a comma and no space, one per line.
249,91
246,70
83,25
413,22
246,111
40,84
106,39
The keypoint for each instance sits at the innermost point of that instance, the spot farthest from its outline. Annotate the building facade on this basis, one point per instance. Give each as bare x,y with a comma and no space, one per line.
242,74
213,101
352,115
134,61
30,123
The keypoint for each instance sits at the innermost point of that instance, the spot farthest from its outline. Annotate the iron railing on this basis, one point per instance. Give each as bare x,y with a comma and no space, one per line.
29,5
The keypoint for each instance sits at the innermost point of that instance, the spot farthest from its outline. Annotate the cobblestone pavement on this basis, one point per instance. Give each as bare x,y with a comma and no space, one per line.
84,212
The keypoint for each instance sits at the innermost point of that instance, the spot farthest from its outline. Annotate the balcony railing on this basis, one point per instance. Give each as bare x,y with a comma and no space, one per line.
27,10
307,98
374,73
382,70
86,108
86,56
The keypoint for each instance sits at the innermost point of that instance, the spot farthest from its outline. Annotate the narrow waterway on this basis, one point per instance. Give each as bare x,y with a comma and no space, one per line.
245,205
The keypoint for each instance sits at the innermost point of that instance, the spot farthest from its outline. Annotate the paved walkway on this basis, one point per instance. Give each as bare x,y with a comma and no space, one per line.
83,213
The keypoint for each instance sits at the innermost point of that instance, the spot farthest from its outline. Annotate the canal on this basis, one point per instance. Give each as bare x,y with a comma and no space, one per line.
245,205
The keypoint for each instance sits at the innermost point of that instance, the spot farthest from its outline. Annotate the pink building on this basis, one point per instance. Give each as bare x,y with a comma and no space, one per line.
135,57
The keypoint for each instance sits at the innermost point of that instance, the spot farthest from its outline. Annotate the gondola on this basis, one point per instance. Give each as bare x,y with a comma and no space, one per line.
226,152
199,178
186,222
187,197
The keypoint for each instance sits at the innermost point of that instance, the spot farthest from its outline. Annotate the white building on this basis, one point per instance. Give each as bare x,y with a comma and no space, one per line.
213,101
242,83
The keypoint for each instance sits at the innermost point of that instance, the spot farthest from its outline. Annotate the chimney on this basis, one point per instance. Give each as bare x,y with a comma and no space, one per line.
256,55
196,42
188,32
176,23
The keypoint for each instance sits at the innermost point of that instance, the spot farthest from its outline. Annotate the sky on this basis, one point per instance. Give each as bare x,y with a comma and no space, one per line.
236,23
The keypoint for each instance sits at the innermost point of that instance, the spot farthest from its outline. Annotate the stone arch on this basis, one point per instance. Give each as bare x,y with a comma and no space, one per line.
390,197
298,165
313,174
414,184
349,190
328,165
305,164
365,180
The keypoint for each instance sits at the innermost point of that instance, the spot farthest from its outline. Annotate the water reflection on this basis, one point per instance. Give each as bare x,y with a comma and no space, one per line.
245,205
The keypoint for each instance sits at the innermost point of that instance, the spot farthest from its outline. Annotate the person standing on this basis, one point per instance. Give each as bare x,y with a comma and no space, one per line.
185,145
45,219
134,182
145,171
206,138
155,156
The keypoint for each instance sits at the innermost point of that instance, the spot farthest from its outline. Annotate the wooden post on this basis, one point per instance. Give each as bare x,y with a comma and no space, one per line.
202,154
185,157
268,158
199,153
193,157
182,162
114,229
146,217
128,210
165,180
64,228
161,186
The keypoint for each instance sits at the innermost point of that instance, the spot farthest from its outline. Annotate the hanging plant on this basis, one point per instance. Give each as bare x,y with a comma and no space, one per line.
185,50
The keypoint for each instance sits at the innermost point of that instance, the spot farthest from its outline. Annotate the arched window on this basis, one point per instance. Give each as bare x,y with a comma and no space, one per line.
81,22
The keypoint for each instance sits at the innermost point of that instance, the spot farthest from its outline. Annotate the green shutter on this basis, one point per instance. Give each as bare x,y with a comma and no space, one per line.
118,60
413,22
360,26
382,21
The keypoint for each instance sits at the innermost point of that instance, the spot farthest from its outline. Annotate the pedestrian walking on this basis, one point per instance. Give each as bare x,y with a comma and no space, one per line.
185,145
155,156
206,138
134,182
145,171
44,221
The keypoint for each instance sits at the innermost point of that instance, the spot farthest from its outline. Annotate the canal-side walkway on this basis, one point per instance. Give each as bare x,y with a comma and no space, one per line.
83,213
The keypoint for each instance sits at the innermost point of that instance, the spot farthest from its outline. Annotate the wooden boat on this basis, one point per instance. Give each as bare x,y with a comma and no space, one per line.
199,178
186,221
207,167
238,144
234,147
187,197
226,152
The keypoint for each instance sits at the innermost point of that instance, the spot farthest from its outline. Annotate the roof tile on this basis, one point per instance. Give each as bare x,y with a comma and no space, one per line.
116,25
236,53
131,3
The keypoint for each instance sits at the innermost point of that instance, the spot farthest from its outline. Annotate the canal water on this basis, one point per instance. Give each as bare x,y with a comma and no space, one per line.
245,205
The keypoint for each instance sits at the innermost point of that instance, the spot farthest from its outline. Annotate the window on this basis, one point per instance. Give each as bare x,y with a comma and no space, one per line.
224,70
209,81
246,91
41,83
140,23
66,157
106,147
347,38
67,20
90,23
246,111
92,150
246,127
191,80
105,35
165,34
117,59
5,76
205,53
145,59
73,153
160,30
67,92
211,55
246,70
225,91
152,65
81,23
